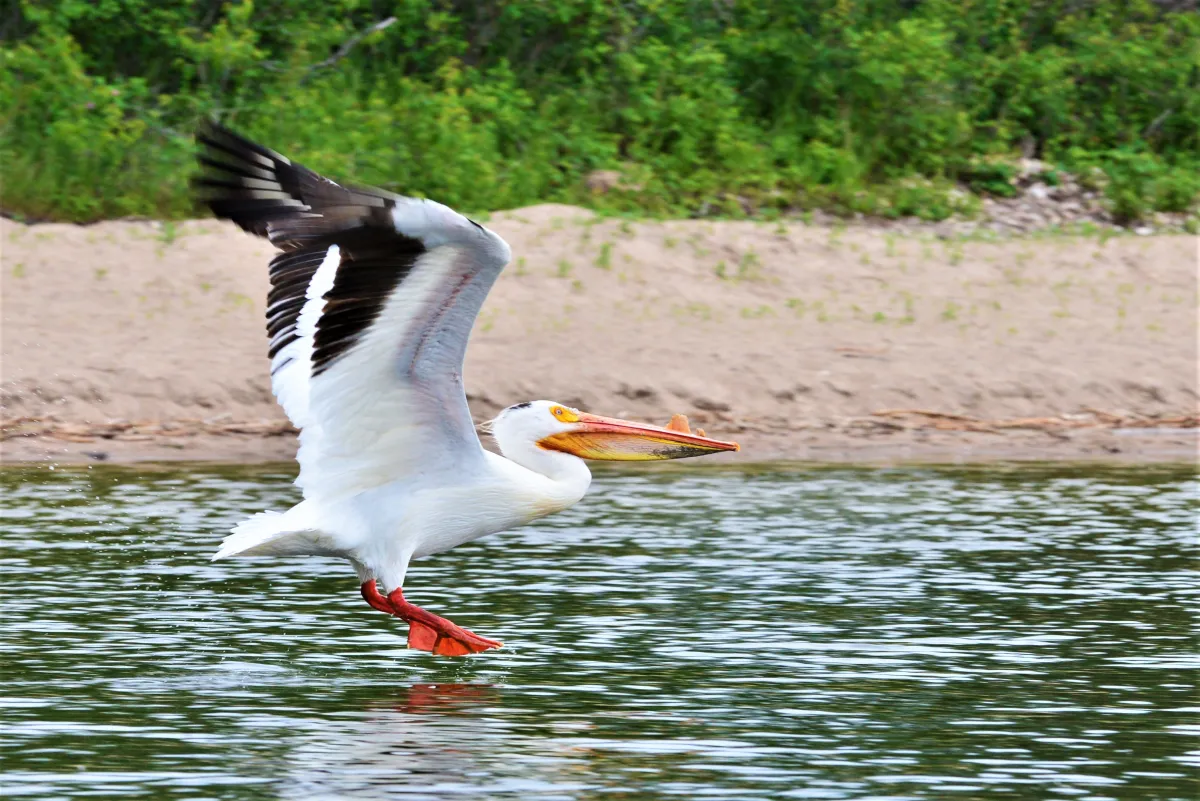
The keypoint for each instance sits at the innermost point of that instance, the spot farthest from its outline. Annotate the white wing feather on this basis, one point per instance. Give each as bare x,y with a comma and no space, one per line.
291,368
393,408
383,320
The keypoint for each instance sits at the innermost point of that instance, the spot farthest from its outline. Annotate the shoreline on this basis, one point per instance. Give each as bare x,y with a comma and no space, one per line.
851,443
135,342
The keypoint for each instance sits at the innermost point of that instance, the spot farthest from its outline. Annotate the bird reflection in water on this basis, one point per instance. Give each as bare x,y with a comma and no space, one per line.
444,699
429,738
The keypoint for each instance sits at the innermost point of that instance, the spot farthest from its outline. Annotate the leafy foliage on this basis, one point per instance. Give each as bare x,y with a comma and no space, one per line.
706,107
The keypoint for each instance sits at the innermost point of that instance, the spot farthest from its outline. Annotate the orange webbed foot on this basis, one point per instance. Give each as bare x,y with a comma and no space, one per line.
449,640
427,631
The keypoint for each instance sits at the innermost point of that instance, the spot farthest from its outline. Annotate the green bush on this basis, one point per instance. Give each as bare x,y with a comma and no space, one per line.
1138,182
991,175
875,106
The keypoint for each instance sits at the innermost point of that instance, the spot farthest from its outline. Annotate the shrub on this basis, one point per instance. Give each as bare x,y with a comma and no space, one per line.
861,105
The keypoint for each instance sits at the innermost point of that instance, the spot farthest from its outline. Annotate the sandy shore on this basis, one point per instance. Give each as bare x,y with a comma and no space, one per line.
129,341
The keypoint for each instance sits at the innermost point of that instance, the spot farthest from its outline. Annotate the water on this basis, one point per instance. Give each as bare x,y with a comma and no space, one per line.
684,633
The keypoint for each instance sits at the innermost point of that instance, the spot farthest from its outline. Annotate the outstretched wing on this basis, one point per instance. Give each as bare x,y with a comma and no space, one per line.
372,302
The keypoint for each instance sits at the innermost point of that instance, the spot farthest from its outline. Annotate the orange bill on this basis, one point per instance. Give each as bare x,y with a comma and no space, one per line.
610,439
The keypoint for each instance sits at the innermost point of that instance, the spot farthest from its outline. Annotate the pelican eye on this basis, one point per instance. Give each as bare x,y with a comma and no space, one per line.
564,415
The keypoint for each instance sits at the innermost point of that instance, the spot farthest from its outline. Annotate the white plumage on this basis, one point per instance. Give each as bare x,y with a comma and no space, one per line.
373,299
291,367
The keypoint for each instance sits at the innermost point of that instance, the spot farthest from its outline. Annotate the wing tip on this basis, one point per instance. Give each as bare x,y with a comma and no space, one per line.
244,182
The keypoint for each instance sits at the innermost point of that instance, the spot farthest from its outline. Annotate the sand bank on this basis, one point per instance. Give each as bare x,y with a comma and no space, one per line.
138,340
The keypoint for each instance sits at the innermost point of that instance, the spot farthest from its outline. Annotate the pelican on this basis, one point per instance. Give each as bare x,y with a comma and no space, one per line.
373,297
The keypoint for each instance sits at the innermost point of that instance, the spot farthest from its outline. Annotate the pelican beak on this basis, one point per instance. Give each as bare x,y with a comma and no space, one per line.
610,439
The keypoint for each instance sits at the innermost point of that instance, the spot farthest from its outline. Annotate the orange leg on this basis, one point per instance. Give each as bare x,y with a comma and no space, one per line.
427,631
371,594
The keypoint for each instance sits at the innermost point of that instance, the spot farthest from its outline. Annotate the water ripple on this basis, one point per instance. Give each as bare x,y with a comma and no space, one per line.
743,634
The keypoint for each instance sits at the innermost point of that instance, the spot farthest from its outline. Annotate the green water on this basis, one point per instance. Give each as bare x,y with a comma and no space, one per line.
687,633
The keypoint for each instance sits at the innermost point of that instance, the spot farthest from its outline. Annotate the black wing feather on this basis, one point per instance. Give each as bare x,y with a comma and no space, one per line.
304,214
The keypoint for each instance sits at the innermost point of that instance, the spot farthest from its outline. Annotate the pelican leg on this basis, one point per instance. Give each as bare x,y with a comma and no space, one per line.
427,631
371,594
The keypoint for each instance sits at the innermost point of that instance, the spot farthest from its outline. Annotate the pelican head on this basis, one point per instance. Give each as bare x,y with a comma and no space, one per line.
555,427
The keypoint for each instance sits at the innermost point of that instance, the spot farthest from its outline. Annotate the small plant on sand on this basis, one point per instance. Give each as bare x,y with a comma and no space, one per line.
1012,276
749,267
604,260
18,270
169,232
564,268
720,270
954,249
236,300
670,241
950,313
700,310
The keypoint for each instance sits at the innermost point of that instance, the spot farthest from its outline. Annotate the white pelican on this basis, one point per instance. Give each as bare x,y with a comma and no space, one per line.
372,301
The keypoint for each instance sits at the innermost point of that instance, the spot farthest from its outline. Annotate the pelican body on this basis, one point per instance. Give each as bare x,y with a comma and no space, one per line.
373,298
